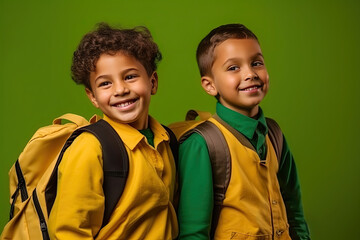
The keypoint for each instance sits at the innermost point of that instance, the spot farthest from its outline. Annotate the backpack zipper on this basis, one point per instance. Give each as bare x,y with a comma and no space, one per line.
13,197
43,225
21,182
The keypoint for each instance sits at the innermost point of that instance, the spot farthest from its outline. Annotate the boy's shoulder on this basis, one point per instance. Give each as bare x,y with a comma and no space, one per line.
207,138
94,141
85,145
210,134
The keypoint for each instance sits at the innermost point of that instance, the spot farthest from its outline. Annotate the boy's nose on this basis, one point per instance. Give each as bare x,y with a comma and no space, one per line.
250,74
121,89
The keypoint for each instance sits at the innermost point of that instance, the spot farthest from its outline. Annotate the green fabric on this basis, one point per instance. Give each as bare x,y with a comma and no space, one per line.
148,133
195,186
254,129
195,179
290,191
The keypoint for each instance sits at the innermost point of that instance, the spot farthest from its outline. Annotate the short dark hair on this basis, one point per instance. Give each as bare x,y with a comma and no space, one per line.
205,50
136,42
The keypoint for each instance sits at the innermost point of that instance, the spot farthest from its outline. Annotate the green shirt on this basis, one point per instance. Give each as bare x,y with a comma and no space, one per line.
148,133
195,178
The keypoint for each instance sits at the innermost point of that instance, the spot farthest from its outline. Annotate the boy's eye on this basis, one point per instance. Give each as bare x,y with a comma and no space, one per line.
257,63
233,68
129,77
104,84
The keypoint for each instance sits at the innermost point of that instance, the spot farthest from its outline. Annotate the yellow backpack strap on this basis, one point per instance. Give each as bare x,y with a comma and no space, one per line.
78,120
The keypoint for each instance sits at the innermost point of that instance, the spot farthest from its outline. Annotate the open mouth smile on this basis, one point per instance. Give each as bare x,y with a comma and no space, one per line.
251,88
124,104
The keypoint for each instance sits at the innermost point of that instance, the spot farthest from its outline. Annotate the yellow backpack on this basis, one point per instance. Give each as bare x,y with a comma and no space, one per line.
180,128
34,174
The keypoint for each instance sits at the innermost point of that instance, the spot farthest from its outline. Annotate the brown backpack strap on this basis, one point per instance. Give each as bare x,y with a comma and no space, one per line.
276,137
220,159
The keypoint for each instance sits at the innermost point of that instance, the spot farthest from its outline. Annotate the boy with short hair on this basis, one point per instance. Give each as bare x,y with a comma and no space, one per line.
263,199
118,69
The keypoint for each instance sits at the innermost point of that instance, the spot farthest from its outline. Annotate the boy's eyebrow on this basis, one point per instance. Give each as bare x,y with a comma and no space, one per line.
102,76
128,70
259,54
121,73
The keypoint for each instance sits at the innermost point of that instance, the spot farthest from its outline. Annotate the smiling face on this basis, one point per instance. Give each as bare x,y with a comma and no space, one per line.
121,89
239,76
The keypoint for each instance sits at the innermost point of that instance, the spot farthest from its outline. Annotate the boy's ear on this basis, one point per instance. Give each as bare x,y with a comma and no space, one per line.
92,98
208,85
154,83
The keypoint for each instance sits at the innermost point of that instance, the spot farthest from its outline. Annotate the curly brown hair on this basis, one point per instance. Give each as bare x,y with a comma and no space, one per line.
205,50
136,42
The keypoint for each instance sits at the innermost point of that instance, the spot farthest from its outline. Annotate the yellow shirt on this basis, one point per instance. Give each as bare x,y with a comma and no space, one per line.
145,209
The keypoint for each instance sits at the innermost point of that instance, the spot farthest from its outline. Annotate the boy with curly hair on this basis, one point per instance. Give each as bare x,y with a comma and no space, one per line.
263,199
118,69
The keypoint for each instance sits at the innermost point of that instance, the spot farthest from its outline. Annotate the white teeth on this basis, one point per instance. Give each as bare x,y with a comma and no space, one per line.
123,104
251,88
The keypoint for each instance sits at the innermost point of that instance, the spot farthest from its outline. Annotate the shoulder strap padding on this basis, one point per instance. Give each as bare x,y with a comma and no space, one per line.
115,165
276,137
220,158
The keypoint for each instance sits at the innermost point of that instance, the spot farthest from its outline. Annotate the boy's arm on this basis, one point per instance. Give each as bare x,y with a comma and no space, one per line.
79,205
290,190
196,189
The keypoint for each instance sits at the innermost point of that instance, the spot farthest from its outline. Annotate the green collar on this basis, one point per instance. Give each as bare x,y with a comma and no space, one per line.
148,133
254,129
244,124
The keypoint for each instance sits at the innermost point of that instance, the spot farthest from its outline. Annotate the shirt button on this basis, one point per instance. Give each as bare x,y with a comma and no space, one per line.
279,232
274,202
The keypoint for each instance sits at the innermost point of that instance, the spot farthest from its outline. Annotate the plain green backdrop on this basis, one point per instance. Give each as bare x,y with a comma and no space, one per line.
311,51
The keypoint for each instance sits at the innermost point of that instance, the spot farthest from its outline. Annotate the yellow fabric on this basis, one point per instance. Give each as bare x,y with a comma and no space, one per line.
253,206
144,211
180,128
37,162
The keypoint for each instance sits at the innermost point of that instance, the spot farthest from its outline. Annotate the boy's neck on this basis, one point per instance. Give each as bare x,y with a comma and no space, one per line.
252,113
140,125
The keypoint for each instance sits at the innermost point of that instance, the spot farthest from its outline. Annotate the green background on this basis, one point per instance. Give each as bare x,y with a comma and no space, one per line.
311,50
